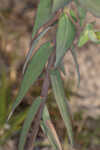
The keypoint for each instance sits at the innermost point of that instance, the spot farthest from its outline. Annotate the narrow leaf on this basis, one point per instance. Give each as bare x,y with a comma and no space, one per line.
76,64
43,14
59,94
30,117
65,36
33,71
50,131
57,4
33,47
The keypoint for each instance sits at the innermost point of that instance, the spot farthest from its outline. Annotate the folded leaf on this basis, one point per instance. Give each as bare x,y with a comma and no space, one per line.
56,4
33,71
43,14
91,5
49,130
64,38
30,117
59,94
33,47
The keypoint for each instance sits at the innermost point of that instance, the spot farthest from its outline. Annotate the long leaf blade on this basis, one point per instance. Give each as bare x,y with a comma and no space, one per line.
30,116
59,94
33,71
50,131
43,14
65,36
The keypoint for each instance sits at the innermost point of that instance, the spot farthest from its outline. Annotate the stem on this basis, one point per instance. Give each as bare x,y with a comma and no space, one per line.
44,94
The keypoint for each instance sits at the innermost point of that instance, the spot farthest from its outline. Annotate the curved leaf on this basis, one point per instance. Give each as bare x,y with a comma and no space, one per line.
64,38
59,94
33,71
30,117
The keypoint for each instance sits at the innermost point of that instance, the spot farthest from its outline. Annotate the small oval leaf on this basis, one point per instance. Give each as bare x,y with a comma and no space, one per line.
30,117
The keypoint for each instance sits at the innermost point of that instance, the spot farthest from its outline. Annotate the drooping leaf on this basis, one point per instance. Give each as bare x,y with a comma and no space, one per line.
57,4
93,37
30,117
33,71
91,5
59,94
76,64
64,38
49,130
43,14
33,47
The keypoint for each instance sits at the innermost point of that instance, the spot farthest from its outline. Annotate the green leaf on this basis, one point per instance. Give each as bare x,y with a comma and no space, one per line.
64,38
49,130
57,4
33,47
30,117
84,38
33,71
59,94
82,14
76,64
93,37
43,15
91,5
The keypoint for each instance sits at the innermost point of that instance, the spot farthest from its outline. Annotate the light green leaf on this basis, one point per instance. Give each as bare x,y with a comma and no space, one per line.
76,64
59,94
91,5
33,47
49,130
64,38
43,15
33,71
30,117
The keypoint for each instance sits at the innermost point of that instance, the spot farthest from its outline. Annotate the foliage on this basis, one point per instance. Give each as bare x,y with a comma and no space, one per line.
47,61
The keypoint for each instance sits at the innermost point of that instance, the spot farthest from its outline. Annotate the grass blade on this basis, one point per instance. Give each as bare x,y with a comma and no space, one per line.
30,117
33,71
59,94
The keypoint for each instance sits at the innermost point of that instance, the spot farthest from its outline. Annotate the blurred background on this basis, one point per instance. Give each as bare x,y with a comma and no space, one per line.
16,24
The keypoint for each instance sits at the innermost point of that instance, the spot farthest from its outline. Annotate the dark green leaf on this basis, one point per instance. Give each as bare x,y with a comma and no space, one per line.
33,71
59,94
43,14
30,117
64,38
